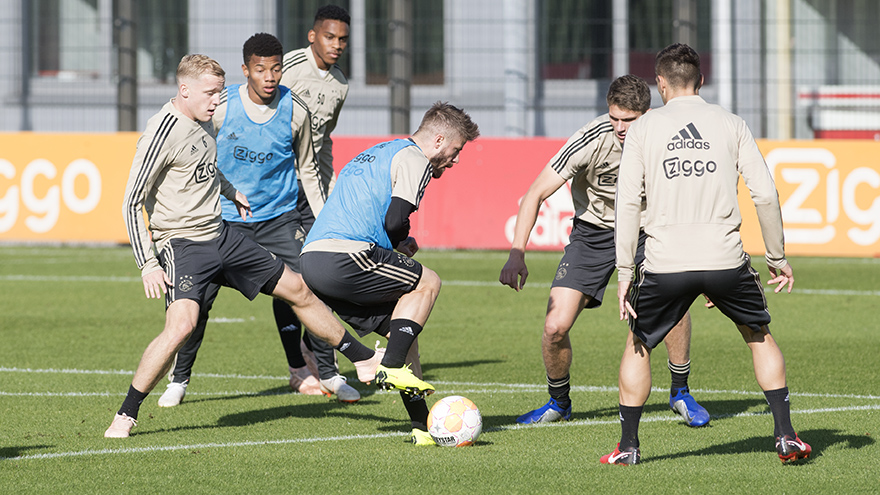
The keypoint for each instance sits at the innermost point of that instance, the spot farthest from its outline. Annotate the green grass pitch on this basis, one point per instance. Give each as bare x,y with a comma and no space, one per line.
74,322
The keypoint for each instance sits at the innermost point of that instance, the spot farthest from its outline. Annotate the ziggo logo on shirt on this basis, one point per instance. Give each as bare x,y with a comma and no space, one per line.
243,154
675,167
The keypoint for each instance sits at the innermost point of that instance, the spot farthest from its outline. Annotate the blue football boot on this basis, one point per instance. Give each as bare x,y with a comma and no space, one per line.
694,414
547,413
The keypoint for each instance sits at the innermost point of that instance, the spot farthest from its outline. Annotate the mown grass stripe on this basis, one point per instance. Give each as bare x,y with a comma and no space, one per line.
459,283
255,443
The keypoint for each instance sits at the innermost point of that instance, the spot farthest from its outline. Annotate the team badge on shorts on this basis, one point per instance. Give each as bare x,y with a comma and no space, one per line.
562,272
186,283
406,260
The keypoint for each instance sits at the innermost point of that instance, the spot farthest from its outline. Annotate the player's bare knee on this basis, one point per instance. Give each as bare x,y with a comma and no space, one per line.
555,331
430,282
292,289
178,332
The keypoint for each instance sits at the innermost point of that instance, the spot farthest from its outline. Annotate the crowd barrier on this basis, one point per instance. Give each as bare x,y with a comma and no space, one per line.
69,188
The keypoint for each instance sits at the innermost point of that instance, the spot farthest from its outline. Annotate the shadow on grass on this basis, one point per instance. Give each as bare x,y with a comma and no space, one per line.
323,407
310,411
428,368
719,410
19,450
363,389
819,440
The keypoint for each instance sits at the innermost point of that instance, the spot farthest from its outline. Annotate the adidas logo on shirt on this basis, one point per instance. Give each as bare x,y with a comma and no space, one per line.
232,137
687,138
193,150
306,94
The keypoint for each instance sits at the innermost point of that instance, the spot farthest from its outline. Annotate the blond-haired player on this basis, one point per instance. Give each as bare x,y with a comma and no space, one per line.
174,176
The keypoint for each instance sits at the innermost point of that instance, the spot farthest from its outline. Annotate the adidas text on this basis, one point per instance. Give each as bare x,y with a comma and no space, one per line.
687,144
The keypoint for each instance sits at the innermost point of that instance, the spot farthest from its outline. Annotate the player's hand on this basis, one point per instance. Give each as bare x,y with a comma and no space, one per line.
408,246
515,273
626,309
241,203
155,284
785,276
709,304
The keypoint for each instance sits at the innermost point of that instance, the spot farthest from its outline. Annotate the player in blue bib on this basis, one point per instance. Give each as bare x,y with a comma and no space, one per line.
264,146
259,158
357,209
358,255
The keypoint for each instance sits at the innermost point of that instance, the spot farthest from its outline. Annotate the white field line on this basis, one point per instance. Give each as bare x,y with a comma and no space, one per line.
170,448
567,424
466,387
456,283
456,387
535,389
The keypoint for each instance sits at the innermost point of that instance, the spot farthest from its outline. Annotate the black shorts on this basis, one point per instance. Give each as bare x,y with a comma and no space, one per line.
661,299
281,236
589,261
231,259
362,288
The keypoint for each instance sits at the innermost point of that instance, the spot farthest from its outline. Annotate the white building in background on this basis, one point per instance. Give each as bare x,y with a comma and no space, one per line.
791,68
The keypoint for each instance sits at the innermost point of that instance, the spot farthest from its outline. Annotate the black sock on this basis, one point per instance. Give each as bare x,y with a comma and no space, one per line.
781,409
629,426
559,389
680,374
290,331
353,350
417,409
132,402
403,334
325,356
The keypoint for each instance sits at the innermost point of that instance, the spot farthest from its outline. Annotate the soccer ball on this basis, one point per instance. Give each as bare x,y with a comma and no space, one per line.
455,421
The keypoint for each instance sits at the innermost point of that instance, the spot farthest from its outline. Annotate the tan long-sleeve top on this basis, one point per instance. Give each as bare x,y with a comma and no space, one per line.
687,158
324,93
173,176
590,159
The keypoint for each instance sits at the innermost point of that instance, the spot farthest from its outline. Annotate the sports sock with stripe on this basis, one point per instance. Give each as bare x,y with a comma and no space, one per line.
402,334
559,389
680,374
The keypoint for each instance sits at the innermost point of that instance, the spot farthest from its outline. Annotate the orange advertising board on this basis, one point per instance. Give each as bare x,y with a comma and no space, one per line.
830,196
64,187
69,187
